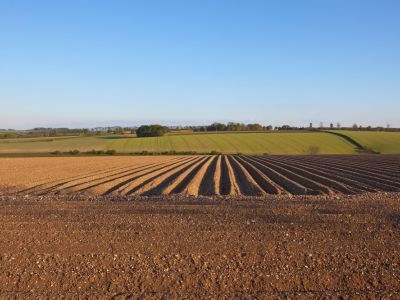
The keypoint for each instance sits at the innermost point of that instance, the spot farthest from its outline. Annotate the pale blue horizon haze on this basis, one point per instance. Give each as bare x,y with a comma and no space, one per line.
103,63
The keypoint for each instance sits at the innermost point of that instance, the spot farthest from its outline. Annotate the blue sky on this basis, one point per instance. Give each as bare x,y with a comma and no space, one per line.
93,63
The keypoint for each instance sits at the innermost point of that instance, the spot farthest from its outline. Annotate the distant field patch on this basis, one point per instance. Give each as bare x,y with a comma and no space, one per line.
50,144
246,143
227,143
380,141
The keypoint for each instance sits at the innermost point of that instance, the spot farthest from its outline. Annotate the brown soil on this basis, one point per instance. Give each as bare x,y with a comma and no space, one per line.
202,175
82,228
274,246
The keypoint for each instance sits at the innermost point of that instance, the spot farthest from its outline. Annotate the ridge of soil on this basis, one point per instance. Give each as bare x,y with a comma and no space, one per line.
202,175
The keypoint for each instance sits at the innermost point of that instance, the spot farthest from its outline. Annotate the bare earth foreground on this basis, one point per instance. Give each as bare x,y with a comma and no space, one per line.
88,243
306,246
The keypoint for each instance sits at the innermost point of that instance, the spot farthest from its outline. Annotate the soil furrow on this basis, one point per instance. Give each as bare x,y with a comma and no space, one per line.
95,182
348,181
323,180
195,179
163,185
107,186
313,186
55,183
131,185
208,185
155,184
64,186
183,180
234,184
217,176
263,181
358,163
372,169
202,175
285,183
246,184
375,182
224,179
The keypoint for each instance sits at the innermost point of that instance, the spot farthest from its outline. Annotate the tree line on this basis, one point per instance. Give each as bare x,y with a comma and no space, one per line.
159,130
231,126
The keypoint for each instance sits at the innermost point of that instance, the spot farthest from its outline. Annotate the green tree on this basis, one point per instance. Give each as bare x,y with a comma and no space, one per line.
269,127
254,127
151,130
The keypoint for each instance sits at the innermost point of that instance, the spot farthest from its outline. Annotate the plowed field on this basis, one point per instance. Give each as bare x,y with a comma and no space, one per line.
226,175
306,247
68,230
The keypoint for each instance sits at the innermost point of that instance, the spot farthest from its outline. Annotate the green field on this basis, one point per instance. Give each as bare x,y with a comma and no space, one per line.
380,141
46,145
246,143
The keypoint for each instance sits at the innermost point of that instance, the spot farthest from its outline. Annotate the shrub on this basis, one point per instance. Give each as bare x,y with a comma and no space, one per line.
111,152
368,150
151,130
187,152
74,152
213,152
91,152
171,152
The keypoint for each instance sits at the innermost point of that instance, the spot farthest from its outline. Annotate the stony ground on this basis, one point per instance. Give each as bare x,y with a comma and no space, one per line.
132,247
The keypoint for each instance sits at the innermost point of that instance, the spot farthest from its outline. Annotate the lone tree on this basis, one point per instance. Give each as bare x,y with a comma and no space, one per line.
151,130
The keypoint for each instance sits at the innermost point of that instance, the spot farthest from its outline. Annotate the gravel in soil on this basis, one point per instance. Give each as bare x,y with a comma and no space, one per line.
272,246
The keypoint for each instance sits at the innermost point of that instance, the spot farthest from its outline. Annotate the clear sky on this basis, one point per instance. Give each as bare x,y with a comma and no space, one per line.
89,63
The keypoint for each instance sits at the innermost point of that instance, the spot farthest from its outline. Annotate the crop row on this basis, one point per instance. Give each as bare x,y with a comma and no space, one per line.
237,175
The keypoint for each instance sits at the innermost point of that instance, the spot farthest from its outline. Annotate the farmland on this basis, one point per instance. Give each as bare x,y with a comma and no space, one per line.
225,175
228,143
249,143
200,225
379,141
50,144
